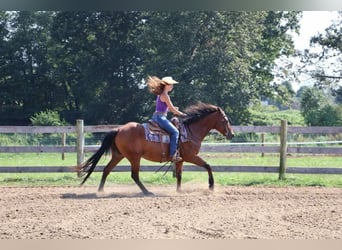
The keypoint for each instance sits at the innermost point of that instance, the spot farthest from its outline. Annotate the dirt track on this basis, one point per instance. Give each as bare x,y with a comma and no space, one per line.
123,213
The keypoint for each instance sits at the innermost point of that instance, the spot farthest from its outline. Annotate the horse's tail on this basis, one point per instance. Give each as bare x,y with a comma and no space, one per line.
88,166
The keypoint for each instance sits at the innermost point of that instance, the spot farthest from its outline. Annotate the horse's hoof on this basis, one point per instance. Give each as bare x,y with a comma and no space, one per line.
211,188
148,194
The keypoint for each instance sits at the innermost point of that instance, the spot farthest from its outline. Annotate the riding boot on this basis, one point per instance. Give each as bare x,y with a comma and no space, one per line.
176,158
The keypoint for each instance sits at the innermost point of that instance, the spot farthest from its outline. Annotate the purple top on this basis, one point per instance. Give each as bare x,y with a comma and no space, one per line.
161,106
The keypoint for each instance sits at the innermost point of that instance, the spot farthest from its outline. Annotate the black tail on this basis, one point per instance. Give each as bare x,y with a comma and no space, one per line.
89,166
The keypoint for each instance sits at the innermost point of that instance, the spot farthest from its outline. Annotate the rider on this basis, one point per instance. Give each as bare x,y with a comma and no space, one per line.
162,87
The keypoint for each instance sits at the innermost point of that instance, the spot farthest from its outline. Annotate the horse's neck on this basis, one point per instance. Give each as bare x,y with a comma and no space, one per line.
201,128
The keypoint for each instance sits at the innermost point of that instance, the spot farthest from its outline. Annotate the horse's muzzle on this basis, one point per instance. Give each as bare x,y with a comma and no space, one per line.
230,135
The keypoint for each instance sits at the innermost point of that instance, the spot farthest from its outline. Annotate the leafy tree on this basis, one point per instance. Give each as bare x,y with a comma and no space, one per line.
220,57
312,99
97,65
283,96
301,90
330,43
269,115
47,118
91,65
6,101
24,74
337,93
318,109
328,115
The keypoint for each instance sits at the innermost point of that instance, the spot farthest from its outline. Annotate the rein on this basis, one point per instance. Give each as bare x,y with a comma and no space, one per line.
168,168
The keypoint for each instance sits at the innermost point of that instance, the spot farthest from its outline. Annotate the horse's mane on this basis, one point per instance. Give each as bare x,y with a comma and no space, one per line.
197,111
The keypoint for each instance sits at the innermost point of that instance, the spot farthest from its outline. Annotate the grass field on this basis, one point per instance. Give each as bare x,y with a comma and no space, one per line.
247,179
229,159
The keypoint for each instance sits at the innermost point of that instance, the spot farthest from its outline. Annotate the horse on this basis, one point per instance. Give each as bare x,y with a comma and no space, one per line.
129,141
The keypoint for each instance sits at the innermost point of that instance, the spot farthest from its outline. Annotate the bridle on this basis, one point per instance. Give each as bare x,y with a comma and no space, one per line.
225,122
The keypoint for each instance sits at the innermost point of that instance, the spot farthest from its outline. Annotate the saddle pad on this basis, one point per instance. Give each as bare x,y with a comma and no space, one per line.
155,137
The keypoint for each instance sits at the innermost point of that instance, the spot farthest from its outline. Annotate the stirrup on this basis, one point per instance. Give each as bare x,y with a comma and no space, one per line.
176,158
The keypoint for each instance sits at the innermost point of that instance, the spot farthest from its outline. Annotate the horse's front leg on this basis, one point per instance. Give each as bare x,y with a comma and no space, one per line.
200,162
210,176
179,171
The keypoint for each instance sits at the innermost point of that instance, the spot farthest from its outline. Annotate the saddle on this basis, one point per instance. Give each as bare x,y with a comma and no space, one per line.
155,133
155,128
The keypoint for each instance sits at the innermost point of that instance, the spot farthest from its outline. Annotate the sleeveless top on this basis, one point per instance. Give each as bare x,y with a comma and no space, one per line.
161,106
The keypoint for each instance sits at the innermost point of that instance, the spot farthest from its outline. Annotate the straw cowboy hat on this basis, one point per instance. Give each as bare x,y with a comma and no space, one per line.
169,80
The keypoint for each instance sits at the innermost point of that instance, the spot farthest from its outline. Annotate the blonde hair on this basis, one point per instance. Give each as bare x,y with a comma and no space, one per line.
155,85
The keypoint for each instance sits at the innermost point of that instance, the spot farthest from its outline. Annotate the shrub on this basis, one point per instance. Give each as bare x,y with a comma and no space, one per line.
47,118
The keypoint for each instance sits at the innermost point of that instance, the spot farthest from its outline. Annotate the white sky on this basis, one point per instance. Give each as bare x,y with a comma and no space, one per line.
312,23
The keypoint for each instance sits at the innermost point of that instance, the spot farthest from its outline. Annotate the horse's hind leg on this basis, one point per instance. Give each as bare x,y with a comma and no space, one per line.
135,176
116,158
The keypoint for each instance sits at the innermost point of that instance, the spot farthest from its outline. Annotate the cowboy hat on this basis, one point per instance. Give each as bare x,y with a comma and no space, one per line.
169,80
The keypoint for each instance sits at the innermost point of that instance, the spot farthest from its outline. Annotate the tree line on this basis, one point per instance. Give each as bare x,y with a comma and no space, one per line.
93,65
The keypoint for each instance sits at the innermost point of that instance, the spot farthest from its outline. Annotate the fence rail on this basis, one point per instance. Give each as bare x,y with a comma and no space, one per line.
106,128
283,147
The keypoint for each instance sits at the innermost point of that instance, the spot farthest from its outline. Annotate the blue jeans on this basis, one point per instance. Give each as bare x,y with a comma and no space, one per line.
165,124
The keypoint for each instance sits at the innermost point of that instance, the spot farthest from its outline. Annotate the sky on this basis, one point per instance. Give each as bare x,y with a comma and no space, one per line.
312,23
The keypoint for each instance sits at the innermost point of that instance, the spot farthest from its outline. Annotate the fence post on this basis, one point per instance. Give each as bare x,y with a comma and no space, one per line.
262,144
63,144
80,141
283,149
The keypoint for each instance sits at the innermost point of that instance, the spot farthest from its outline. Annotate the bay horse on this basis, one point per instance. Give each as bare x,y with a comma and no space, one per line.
128,141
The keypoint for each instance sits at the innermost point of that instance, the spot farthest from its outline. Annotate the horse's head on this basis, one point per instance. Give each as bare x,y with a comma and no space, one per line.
223,125
210,117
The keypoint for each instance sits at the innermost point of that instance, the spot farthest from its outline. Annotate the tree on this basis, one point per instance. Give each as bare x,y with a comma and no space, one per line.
97,65
223,58
6,101
337,93
318,109
92,65
312,99
283,95
47,118
24,74
328,69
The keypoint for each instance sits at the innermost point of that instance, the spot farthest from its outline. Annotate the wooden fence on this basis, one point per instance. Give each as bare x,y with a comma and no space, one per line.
283,148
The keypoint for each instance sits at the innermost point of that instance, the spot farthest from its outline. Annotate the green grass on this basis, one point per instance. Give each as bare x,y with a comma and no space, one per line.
229,159
37,159
150,178
255,159
155,179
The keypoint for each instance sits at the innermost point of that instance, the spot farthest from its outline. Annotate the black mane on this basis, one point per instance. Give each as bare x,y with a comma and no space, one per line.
197,111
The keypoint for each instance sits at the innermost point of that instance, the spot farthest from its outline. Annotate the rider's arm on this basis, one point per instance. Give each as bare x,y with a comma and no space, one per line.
166,98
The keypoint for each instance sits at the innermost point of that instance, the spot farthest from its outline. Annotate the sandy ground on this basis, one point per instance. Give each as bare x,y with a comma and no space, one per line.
121,212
